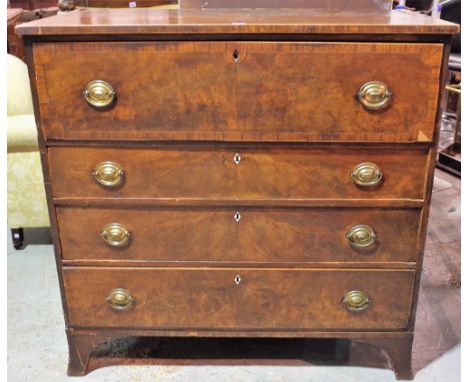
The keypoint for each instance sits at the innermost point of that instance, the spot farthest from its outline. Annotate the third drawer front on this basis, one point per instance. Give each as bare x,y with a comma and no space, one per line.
183,298
246,234
229,173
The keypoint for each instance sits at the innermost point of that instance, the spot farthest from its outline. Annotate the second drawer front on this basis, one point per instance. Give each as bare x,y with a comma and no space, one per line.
245,173
237,298
239,235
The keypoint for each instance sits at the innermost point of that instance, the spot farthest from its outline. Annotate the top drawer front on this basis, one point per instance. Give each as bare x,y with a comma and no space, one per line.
238,90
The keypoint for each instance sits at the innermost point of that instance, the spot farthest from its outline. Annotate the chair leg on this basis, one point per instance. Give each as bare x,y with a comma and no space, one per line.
18,237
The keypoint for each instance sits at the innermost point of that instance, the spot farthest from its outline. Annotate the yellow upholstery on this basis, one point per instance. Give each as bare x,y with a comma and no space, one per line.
21,133
27,206
19,99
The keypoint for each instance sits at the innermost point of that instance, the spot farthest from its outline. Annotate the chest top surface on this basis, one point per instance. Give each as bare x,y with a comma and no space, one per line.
234,21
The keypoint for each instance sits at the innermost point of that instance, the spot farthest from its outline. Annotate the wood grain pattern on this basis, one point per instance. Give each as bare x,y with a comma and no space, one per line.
37,5
233,203
211,173
261,235
122,3
238,21
183,90
264,299
357,335
14,42
355,5
186,192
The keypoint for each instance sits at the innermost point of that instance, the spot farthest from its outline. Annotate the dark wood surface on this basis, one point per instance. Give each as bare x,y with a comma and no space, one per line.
154,21
297,299
33,4
36,4
261,234
186,176
210,173
122,3
159,96
14,42
396,345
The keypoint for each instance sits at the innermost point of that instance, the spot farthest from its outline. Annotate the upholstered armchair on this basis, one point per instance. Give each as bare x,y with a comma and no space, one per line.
27,206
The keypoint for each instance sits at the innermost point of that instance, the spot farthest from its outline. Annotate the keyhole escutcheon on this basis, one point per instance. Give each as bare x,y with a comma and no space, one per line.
237,158
237,216
235,55
237,280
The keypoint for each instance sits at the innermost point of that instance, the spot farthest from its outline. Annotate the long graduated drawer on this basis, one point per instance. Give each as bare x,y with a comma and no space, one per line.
267,91
245,234
238,298
249,173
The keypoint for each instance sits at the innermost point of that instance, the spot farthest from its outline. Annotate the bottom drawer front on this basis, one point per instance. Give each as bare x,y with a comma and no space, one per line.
177,298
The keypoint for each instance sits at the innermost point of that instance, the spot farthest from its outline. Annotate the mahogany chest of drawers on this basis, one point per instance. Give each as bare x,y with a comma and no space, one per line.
238,173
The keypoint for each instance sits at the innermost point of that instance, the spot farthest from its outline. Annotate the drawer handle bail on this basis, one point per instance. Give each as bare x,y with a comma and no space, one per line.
108,174
367,175
115,235
99,93
356,301
361,236
119,299
374,95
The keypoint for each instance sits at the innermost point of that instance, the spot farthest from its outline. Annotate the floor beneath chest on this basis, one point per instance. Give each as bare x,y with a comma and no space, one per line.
37,348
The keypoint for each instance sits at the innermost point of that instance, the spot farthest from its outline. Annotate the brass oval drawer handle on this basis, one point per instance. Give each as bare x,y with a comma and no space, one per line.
367,175
99,93
119,299
374,95
115,235
361,236
356,301
108,174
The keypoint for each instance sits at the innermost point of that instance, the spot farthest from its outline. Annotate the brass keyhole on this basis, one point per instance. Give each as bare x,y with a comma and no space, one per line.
237,158
235,55
237,279
237,216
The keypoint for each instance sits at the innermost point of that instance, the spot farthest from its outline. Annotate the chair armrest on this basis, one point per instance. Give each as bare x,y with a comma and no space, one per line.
19,98
21,133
